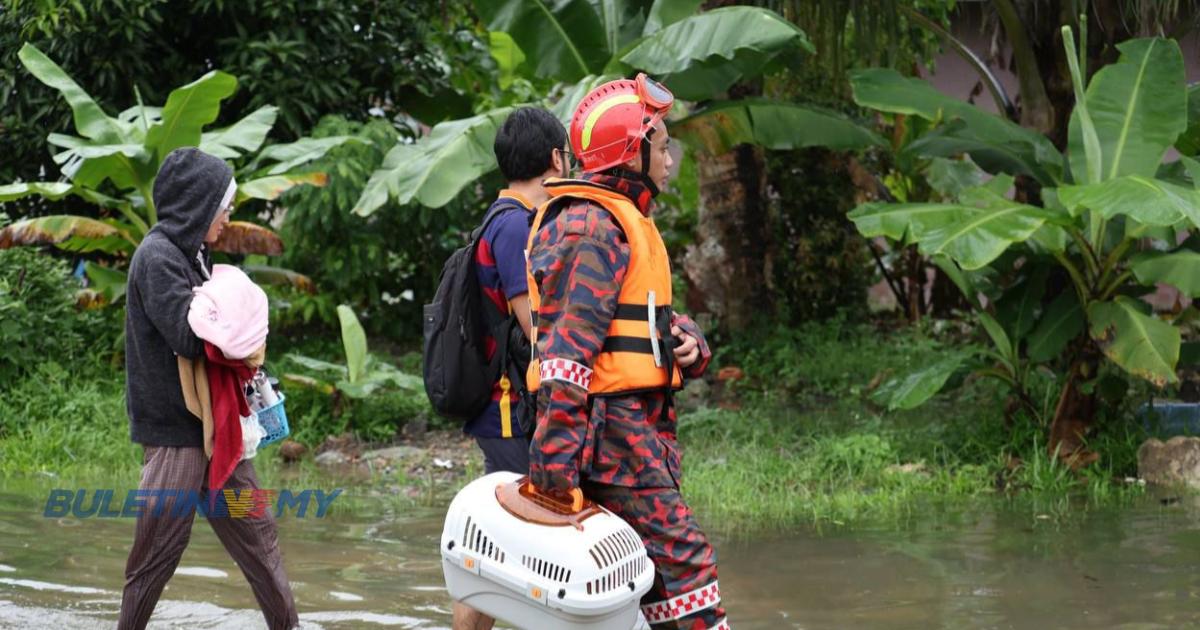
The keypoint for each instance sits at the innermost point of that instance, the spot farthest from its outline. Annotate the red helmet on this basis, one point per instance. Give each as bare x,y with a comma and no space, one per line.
611,122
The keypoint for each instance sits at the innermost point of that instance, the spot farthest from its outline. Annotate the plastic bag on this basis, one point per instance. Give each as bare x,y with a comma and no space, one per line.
252,434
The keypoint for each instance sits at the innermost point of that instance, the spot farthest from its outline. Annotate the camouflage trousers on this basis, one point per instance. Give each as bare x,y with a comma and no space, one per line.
685,595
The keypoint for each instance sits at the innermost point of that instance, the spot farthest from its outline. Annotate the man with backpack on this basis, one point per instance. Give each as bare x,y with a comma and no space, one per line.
610,350
530,147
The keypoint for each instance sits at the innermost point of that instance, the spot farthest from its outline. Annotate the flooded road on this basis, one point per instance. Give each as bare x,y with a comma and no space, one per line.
376,566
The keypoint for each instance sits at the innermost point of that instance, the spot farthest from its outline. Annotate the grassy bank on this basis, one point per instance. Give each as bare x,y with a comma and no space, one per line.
803,443
57,422
796,441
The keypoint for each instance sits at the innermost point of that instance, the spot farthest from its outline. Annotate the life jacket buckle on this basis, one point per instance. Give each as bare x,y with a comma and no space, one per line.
651,318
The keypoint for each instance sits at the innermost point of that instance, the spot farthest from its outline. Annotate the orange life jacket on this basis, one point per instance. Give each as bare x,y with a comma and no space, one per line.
628,361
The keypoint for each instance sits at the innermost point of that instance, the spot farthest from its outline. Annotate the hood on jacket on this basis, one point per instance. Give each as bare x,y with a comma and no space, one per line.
187,195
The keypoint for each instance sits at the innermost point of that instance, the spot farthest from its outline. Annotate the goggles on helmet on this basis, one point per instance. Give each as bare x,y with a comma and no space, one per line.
653,93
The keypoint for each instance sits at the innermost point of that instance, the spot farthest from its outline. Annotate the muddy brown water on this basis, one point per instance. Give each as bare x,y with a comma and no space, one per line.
992,565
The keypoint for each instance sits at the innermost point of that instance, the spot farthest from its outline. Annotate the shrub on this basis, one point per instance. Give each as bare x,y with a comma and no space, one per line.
38,318
820,266
376,418
384,265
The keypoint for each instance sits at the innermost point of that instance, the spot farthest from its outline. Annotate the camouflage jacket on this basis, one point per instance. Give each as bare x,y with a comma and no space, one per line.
579,259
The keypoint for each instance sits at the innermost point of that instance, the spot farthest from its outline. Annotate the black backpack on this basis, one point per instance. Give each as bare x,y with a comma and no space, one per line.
458,376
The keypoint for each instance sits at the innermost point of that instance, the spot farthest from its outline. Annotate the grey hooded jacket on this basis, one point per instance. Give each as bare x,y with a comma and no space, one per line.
165,267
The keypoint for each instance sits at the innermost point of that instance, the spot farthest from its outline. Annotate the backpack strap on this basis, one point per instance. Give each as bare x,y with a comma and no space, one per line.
499,327
502,205
508,366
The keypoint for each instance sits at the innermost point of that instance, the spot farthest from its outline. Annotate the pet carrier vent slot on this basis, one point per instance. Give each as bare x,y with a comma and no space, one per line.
619,577
477,541
614,548
548,570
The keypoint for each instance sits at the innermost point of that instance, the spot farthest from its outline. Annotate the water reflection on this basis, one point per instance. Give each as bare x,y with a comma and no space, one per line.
993,566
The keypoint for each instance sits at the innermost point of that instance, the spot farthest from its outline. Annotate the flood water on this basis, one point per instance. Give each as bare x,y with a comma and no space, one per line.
995,565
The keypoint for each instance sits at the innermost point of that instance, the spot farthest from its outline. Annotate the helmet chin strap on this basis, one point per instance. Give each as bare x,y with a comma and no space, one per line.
644,175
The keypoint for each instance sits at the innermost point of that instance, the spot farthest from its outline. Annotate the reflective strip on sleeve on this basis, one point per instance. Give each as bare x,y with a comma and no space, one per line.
564,370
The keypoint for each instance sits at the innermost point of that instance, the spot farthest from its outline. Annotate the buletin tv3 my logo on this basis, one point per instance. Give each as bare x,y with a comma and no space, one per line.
158,502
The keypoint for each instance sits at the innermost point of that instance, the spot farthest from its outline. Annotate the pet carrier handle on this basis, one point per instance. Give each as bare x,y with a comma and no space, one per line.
576,504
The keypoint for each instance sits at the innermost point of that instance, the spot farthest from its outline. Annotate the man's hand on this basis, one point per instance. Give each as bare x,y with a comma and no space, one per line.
690,336
552,483
553,455
687,352
565,497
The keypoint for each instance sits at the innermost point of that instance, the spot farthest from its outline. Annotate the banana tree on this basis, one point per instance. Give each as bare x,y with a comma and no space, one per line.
359,377
113,161
1107,229
575,46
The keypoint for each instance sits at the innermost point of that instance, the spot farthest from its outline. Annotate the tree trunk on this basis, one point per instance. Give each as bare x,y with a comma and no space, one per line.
1033,33
1037,111
1075,413
915,274
727,267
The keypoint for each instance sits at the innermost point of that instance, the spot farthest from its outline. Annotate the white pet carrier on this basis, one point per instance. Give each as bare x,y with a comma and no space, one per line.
537,564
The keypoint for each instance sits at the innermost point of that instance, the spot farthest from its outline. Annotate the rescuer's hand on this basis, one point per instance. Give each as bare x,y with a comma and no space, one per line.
687,351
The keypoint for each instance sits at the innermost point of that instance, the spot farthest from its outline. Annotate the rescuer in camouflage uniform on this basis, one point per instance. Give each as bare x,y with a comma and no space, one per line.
605,420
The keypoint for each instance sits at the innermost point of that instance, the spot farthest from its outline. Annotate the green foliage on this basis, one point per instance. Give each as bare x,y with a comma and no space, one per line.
127,150
433,171
768,478
384,265
815,453
819,264
851,34
68,422
294,311
362,373
973,235
376,418
366,380
38,317
352,55
815,357
855,455
1137,107
1180,269
314,413
1138,342
581,45
566,41
705,54
347,257
808,445
508,56
917,387
994,143
317,407
122,156
1061,322
1044,473
1188,142
311,415
373,419
1110,221
772,124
